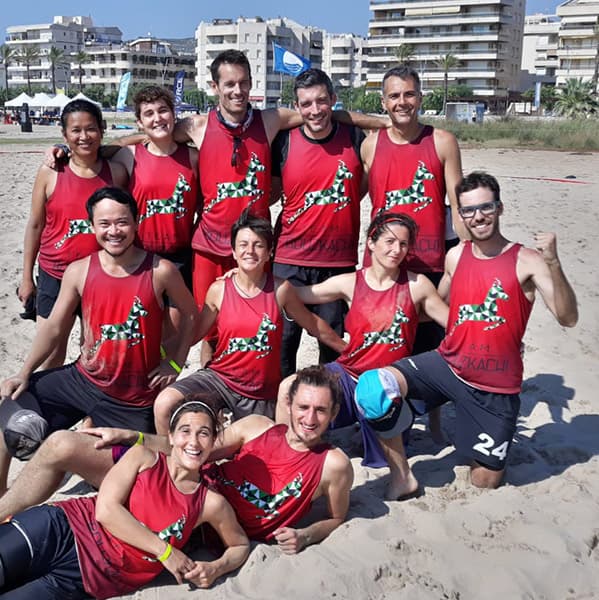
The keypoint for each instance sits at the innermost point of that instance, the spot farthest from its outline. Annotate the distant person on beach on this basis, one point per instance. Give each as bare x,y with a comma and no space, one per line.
274,474
146,509
120,371
58,231
491,284
411,168
384,301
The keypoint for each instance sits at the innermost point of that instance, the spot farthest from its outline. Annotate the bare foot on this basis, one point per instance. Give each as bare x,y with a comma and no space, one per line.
402,489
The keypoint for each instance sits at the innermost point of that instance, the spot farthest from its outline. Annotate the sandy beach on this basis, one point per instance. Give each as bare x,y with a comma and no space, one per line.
537,536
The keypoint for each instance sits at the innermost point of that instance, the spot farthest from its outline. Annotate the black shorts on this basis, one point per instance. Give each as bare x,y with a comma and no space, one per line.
207,381
485,421
48,287
63,396
181,260
429,334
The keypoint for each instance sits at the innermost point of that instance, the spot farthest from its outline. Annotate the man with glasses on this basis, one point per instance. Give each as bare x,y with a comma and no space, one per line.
491,283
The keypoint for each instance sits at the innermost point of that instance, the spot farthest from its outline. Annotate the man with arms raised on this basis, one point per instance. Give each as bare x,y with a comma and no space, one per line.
319,163
491,284
119,372
274,474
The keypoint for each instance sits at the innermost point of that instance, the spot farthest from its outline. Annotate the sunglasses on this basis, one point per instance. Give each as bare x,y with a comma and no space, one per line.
486,208
235,155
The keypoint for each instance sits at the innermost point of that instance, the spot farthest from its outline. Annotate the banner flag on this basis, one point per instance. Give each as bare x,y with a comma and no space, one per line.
123,89
178,89
288,62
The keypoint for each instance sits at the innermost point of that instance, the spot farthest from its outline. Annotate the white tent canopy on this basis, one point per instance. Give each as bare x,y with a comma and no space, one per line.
40,100
59,101
82,96
21,99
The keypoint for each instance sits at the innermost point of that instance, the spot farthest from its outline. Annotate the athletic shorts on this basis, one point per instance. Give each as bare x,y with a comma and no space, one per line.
485,421
63,396
53,572
207,381
181,260
48,287
429,334
205,269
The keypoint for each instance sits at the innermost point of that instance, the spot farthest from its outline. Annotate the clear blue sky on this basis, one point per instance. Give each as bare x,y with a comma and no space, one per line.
179,18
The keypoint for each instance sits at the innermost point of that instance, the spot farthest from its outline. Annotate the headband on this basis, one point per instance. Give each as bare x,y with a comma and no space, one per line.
191,403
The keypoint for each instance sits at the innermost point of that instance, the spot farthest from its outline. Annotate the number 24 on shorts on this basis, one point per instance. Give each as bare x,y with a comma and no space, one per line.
487,447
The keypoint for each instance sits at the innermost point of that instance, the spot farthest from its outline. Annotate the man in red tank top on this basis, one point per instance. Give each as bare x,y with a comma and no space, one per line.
273,475
322,183
411,167
120,370
491,284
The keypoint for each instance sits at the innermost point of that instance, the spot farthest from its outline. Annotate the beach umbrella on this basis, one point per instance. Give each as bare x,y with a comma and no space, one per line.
21,99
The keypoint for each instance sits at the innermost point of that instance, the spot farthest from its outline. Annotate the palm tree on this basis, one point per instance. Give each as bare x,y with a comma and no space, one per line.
7,55
56,57
576,99
404,53
446,62
27,56
81,58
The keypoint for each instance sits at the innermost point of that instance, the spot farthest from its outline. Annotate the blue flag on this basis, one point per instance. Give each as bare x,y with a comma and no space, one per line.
289,62
123,89
178,89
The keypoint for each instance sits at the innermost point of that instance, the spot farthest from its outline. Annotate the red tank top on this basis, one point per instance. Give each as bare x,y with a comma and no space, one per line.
67,235
381,325
111,567
122,324
321,213
248,352
409,178
482,345
165,188
270,485
227,189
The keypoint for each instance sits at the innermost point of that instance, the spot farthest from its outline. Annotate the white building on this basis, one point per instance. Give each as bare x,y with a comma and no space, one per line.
254,37
342,59
484,35
539,49
150,61
578,50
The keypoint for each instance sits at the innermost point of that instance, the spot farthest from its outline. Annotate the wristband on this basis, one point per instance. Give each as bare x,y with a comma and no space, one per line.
162,352
140,439
164,556
175,366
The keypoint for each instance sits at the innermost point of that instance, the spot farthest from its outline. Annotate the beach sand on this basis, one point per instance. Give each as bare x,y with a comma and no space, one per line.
537,536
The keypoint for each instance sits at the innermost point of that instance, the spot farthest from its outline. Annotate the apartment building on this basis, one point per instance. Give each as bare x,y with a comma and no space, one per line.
150,61
343,59
539,50
578,47
484,35
65,33
254,37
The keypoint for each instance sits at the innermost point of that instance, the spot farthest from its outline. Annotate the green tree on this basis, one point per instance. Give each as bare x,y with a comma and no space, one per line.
56,57
81,58
446,62
433,100
404,53
576,99
371,103
195,97
7,56
28,56
287,96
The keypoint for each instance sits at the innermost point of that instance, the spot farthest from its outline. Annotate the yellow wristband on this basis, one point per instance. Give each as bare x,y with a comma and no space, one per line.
175,366
165,554
140,439
162,352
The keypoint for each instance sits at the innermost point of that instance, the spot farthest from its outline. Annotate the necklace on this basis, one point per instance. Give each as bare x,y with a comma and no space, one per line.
245,293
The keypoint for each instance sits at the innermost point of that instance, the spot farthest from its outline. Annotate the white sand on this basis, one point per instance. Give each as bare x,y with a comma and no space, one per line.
536,537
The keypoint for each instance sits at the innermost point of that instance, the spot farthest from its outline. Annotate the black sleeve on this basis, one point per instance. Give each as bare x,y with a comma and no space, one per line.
279,150
357,137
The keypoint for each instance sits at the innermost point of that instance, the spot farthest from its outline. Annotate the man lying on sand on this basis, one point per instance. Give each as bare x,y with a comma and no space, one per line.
491,284
275,472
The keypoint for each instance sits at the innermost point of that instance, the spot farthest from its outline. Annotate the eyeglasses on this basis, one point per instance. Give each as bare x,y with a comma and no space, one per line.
486,208
235,155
